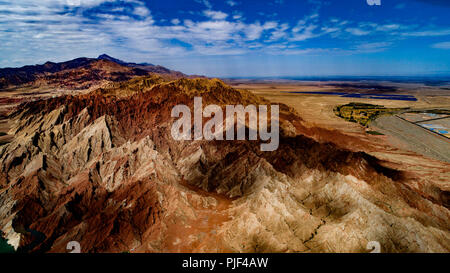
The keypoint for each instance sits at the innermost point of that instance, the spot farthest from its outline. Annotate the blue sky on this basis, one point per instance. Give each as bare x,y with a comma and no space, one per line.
234,38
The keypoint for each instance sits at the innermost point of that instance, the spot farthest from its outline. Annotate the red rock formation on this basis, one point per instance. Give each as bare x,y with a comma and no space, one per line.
80,73
102,169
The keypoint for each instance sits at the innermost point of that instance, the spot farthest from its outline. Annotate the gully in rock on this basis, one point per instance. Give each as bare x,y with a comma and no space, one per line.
215,127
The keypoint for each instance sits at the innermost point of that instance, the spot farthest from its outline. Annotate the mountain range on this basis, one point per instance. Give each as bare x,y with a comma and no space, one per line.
80,72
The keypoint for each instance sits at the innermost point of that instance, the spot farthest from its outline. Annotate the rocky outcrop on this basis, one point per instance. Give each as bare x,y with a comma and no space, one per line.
102,169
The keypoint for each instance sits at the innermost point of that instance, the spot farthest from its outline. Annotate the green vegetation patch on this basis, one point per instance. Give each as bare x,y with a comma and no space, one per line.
363,113
375,133
5,247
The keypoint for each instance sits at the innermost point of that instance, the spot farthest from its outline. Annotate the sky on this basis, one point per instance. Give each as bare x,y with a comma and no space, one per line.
235,38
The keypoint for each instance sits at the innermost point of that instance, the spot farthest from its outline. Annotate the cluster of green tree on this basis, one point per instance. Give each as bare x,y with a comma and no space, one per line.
4,246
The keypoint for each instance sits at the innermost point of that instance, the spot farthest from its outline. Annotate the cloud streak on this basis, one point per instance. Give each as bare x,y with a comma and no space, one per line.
442,45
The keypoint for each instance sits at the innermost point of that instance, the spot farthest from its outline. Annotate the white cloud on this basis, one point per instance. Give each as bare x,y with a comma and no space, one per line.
255,30
279,33
175,21
141,11
428,33
357,31
388,27
307,51
76,3
307,32
313,16
206,3
442,45
372,47
216,15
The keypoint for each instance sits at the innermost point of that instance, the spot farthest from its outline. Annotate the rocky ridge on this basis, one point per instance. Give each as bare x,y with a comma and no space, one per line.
80,73
102,169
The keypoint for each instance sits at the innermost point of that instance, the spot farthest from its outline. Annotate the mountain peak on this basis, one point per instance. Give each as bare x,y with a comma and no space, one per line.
109,58
104,56
112,59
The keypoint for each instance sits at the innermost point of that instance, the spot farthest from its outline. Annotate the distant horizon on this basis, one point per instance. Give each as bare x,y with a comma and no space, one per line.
436,74
440,74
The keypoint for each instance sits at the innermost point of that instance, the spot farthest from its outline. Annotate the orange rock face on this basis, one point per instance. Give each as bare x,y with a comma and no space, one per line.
102,169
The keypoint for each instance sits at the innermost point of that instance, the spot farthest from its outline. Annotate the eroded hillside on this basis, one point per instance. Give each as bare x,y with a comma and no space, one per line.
102,169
